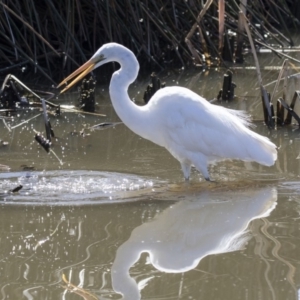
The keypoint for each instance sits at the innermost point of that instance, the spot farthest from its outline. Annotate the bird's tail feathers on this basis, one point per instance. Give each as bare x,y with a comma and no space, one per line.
243,116
263,150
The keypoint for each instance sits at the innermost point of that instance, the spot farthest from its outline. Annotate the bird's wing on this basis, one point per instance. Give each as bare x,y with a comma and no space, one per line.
187,125
212,130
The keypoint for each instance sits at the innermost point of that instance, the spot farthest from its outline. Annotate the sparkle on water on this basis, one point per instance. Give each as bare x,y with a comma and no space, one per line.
170,240
69,187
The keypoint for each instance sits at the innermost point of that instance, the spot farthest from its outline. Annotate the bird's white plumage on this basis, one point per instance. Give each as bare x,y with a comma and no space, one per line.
195,131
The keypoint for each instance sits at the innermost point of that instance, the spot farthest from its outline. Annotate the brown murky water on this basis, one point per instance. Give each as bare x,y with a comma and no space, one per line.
117,218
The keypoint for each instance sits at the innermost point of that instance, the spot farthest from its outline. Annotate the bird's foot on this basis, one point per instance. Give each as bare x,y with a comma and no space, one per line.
208,179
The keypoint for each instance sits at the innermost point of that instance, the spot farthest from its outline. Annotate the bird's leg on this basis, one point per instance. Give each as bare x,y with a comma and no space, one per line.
201,166
186,169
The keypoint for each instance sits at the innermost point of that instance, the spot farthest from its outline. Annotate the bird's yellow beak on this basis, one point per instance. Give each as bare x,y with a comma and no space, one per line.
82,71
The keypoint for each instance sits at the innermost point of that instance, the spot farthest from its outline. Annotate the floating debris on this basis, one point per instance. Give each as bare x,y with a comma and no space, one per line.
4,168
3,143
16,189
27,168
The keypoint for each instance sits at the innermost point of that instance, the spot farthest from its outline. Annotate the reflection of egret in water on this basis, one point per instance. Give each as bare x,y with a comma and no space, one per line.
186,232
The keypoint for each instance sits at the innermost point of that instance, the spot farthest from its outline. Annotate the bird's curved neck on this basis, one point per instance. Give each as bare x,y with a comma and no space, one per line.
133,116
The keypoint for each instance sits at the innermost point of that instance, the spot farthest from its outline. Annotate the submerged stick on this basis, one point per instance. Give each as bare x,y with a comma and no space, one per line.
46,120
290,109
291,112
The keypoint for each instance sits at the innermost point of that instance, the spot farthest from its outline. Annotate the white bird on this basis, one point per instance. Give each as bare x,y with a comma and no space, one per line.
193,130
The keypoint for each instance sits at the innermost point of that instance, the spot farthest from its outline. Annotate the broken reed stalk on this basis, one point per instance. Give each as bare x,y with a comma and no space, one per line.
192,30
66,28
240,33
152,29
24,122
30,27
284,95
280,107
290,109
204,46
264,94
279,52
166,33
290,114
282,70
221,25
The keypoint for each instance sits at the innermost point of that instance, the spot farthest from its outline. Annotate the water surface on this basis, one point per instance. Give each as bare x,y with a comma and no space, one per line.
116,219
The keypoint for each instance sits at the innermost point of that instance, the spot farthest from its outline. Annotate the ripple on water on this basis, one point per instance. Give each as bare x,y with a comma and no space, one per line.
72,187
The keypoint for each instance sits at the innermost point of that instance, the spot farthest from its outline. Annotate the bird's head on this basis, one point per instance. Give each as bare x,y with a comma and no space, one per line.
107,53
94,62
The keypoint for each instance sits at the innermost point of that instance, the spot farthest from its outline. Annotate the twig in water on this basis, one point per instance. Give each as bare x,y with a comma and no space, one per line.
26,121
105,125
60,161
6,125
67,108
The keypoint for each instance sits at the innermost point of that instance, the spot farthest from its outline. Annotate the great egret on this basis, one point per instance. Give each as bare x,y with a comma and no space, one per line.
194,131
